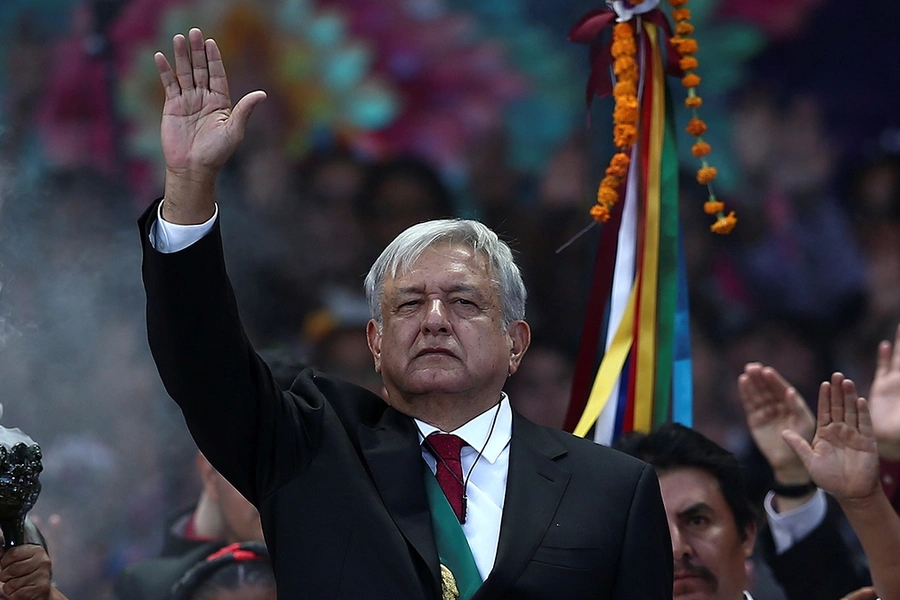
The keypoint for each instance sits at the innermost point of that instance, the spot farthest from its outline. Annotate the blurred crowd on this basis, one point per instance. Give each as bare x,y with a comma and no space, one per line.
809,282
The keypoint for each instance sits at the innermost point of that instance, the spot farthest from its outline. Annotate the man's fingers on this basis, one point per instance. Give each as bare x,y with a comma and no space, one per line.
198,59
848,400
836,397
167,76
218,82
823,410
798,445
895,361
865,418
183,70
866,593
241,112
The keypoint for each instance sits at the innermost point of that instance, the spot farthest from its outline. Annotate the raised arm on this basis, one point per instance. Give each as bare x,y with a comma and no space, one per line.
771,405
200,129
884,399
842,459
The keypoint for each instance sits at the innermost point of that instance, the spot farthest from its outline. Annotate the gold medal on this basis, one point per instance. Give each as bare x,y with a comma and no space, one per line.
449,591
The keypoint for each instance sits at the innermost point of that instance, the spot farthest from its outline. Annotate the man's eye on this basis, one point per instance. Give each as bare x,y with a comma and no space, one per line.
698,521
463,301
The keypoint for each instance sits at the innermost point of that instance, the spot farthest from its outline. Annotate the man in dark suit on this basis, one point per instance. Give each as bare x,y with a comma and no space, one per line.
344,479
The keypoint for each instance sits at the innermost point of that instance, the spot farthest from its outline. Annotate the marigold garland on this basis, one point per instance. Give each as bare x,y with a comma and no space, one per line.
625,118
687,47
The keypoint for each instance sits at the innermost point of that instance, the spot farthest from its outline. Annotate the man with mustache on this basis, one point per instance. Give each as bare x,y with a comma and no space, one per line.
711,517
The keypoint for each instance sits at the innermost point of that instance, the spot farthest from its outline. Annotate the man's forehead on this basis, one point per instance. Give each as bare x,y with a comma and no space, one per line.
690,488
445,260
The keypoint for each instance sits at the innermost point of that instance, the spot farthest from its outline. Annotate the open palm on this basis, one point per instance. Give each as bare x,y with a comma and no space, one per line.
772,405
842,458
199,129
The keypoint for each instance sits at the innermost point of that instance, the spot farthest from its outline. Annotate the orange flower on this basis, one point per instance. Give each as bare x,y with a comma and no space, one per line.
618,168
626,111
683,28
620,159
607,196
712,207
696,127
700,149
681,14
706,175
624,135
688,63
685,45
690,80
693,102
610,181
623,64
600,213
724,224
624,88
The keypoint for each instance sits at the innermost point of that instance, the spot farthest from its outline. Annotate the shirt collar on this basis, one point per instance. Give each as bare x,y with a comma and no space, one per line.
475,433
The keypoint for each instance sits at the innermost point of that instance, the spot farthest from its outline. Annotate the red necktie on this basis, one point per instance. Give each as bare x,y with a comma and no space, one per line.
446,448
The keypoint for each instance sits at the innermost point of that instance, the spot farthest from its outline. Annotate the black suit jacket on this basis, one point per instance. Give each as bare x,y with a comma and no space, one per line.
337,474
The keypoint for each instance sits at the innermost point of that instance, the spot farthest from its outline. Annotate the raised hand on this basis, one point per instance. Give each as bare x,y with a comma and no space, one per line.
884,399
842,459
199,129
772,405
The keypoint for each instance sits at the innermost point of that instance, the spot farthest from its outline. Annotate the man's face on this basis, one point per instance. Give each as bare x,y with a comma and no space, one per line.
709,551
442,329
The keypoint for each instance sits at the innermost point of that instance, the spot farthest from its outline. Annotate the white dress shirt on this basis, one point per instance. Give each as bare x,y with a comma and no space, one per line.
486,484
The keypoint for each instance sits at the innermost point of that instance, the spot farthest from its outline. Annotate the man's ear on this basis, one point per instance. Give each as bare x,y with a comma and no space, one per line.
373,337
208,475
750,539
519,339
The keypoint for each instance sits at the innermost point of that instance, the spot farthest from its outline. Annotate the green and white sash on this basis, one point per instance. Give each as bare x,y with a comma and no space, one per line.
460,578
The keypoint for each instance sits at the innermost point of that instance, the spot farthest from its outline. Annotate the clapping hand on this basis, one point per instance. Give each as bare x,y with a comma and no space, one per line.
842,458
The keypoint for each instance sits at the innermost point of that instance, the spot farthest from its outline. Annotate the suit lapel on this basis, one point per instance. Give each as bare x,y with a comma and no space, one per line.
534,488
395,461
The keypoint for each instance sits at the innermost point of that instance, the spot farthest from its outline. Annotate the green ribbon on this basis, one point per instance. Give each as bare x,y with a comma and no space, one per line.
453,548
668,266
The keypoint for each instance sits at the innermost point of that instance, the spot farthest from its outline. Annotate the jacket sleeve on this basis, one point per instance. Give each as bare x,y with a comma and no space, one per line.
821,566
645,566
250,430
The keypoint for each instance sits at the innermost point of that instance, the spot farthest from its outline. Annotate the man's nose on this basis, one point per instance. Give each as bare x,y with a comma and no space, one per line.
681,546
435,320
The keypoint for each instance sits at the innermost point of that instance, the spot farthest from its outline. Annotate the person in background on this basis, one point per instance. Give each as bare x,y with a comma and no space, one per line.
221,515
711,518
842,459
234,572
802,532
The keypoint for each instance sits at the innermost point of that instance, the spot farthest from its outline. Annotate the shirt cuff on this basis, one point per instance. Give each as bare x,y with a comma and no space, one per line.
168,237
790,527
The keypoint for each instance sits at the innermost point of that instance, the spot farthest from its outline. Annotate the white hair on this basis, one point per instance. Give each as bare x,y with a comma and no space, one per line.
406,248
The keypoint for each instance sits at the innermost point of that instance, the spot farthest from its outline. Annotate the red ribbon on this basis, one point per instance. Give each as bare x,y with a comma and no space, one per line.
589,30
